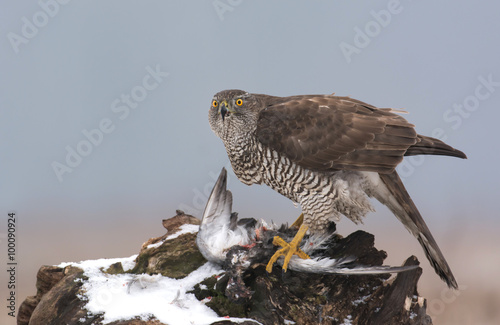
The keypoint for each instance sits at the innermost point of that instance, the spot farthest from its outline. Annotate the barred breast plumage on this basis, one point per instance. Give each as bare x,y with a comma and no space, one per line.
323,196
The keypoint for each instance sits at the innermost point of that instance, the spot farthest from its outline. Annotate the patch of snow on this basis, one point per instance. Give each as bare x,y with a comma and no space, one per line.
157,244
288,322
184,229
129,264
347,321
412,315
126,296
361,300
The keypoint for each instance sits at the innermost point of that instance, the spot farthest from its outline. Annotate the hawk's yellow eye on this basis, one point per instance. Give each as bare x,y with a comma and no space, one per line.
239,102
215,103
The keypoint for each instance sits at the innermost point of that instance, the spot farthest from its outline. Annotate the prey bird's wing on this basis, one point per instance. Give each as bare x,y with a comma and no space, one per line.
219,229
341,266
219,205
324,132
215,221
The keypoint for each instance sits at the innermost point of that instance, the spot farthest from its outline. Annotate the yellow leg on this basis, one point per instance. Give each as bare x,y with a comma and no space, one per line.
288,250
297,223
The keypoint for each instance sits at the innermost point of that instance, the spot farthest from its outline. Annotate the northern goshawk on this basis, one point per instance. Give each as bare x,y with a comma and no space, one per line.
329,154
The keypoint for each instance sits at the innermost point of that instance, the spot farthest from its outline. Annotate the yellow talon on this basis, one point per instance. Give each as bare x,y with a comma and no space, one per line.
288,250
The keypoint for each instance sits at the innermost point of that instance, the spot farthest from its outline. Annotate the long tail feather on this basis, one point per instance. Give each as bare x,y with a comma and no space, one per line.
400,203
432,146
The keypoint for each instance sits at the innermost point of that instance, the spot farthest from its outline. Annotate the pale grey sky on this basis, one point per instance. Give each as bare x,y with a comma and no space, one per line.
144,72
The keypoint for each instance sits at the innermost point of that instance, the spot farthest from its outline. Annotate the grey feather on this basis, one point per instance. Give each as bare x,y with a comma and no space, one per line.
219,230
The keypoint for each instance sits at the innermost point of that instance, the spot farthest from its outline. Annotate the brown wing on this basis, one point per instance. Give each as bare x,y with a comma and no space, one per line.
324,132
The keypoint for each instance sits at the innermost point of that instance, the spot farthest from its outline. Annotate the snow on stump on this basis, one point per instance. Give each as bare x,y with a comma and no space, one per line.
170,283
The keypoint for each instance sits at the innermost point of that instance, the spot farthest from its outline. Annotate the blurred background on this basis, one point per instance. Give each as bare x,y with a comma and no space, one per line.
104,130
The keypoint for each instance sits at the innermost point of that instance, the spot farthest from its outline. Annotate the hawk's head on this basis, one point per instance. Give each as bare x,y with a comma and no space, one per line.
233,112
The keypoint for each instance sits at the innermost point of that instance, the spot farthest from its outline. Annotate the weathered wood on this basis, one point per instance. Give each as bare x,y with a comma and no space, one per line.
275,298
307,298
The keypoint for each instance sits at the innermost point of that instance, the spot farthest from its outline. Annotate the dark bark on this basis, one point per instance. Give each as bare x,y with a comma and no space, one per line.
303,298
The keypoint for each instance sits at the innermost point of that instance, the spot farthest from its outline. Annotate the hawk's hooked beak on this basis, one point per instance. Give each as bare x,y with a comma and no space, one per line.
225,109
